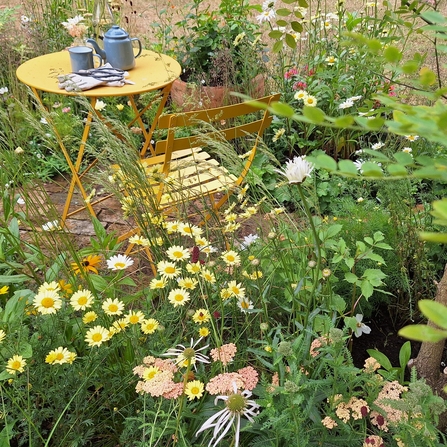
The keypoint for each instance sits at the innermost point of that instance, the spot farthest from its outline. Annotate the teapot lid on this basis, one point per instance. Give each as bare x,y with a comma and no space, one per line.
116,33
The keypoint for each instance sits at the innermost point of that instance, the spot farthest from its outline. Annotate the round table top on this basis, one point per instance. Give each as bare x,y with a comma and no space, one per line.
152,71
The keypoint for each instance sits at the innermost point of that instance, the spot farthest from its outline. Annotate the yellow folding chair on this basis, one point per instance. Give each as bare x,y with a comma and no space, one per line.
182,171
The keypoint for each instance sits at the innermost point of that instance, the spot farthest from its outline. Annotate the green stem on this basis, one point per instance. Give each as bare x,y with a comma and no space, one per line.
317,250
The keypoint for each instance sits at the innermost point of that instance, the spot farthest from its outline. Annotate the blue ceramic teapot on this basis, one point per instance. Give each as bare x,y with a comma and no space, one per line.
118,50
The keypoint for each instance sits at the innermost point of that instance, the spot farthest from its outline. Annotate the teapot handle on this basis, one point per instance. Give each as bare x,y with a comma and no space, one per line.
139,45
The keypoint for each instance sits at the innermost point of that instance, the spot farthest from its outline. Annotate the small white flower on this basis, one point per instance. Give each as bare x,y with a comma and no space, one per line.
24,19
297,170
412,137
360,199
358,164
266,16
248,240
236,405
377,146
51,226
355,98
345,105
407,150
119,262
3,90
100,105
301,95
20,201
43,120
362,328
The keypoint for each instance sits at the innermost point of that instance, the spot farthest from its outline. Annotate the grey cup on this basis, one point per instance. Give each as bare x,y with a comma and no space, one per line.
81,58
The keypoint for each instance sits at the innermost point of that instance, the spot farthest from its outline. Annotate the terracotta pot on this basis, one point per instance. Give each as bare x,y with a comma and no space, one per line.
189,96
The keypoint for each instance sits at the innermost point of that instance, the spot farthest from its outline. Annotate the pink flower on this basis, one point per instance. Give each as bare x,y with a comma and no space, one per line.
225,353
300,85
290,73
249,376
66,109
224,383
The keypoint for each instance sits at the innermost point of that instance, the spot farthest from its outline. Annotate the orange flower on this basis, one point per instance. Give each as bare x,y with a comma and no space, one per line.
88,264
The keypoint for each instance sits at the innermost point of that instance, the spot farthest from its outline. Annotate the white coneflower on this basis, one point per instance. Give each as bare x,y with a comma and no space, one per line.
188,355
236,405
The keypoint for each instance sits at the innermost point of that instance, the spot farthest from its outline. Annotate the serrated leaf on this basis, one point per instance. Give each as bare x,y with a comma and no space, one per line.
315,114
366,288
392,54
348,167
350,262
420,332
351,278
435,312
397,170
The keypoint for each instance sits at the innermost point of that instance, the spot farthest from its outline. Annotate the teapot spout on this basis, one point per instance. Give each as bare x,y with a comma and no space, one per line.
95,45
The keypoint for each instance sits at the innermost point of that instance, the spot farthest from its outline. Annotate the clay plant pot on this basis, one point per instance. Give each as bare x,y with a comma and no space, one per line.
189,96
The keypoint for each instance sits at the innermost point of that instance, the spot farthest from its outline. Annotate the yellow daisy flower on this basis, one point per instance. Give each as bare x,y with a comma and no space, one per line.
2,335
190,230
96,336
230,257
81,300
52,286
150,373
58,356
201,316
113,307
4,290
194,268
168,269
204,332
236,289
194,390
135,317
178,253
16,364
89,317
178,297
310,101
158,283
47,302
149,326
187,283
208,276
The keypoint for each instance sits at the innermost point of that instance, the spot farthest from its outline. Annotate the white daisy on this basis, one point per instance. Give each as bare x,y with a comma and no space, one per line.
119,262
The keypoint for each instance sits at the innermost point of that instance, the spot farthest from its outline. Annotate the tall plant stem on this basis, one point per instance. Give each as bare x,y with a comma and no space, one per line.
317,251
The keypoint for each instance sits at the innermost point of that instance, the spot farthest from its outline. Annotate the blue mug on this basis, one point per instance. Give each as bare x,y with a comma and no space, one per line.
81,58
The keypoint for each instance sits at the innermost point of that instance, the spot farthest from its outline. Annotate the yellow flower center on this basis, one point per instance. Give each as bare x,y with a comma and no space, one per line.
230,258
120,265
178,254
178,297
97,337
195,390
134,319
16,364
47,303
113,308
82,300
245,304
59,356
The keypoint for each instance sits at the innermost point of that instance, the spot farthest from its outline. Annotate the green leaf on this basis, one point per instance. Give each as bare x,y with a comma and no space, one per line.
324,161
315,114
410,67
403,158
435,312
290,41
426,77
296,26
282,109
99,283
440,238
397,170
366,288
420,332
275,34
278,46
344,121
371,170
434,17
405,354
392,54
350,277
350,262
375,124
348,167
381,358
283,12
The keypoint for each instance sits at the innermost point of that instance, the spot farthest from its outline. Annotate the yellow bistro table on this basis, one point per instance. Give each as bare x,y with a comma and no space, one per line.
153,71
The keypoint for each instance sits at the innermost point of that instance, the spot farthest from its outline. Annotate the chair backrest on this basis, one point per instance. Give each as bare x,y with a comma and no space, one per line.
226,114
